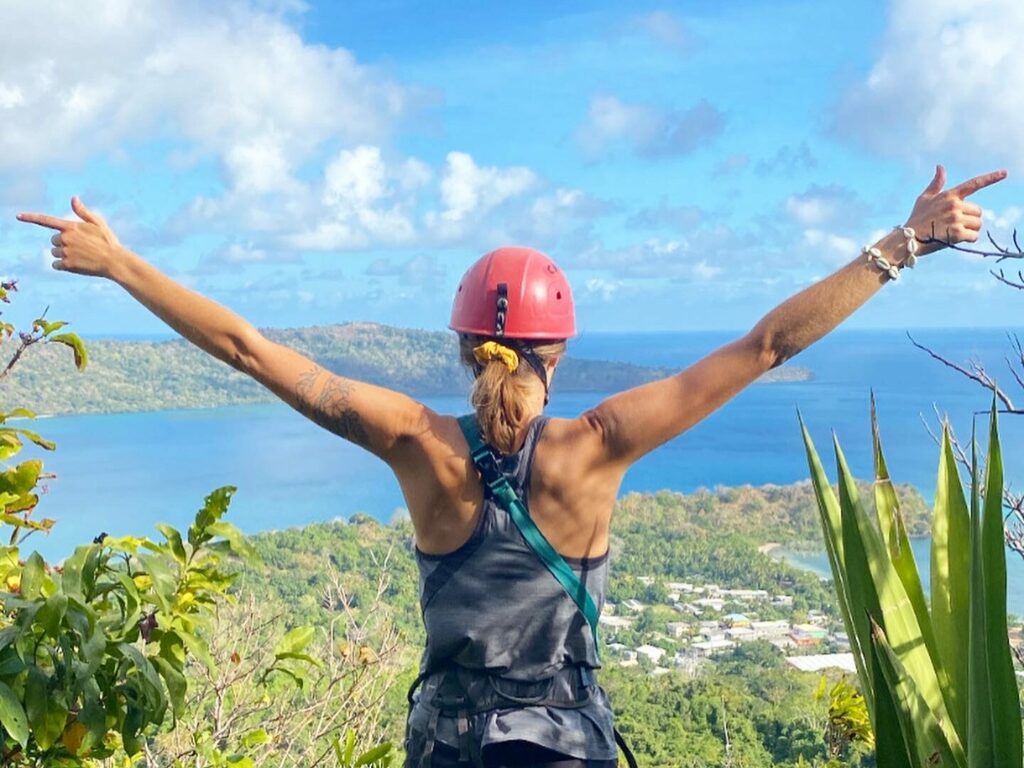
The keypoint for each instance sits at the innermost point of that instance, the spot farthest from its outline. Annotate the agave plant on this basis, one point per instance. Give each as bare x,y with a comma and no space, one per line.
937,675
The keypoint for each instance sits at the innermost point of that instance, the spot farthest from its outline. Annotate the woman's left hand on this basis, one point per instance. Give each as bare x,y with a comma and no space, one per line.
946,216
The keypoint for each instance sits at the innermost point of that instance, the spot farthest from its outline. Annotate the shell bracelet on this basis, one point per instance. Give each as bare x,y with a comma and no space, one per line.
874,255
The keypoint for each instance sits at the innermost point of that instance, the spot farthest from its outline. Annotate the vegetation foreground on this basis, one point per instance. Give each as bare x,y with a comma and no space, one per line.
295,648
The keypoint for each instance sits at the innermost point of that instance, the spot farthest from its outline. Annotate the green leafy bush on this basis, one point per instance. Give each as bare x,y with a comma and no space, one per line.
93,651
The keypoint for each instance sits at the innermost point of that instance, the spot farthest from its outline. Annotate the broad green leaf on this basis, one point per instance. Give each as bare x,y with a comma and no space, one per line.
32,576
831,523
255,738
950,581
51,614
35,438
893,606
239,544
47,327
22,522
151,687
894,534
199,649
373,755
25,503
22,478
864,600
11,663
12,716
174,541
980,749
46,714
94,718
305,657
72,340
165,584
71,579
1006,714
175,682
18,413
134,720
920,726
350,747
214,507
294,641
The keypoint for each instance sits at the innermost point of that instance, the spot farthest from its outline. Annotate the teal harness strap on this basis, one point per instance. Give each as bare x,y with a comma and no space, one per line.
494,478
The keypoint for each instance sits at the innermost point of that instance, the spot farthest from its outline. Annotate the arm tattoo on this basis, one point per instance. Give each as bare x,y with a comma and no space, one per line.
330,407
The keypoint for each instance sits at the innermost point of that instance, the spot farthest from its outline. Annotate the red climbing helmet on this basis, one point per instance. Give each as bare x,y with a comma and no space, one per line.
515,293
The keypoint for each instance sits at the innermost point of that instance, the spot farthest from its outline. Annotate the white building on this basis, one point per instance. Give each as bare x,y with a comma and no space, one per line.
651,652
677,629
712,647
843,661
767,629
616,622
740,634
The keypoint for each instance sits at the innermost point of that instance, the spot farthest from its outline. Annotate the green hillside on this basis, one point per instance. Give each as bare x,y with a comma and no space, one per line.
147,376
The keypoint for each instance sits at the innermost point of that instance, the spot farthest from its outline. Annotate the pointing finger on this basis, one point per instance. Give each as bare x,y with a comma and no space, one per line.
971,186
43,220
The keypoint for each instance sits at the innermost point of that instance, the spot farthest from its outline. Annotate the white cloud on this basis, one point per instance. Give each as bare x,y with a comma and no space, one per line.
658,259
1005,220
600,289
469,191
819,206
830,247
702,270
423,270
299,132
667,29
650,131
946,81
231,81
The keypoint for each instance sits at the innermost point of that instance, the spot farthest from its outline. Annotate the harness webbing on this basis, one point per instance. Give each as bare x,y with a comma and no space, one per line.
487,465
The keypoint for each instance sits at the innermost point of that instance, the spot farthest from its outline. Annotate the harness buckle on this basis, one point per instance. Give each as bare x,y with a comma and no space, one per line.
490,472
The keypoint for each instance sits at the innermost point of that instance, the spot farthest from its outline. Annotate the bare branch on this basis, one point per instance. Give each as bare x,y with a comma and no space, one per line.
978,375
999,254
1002,278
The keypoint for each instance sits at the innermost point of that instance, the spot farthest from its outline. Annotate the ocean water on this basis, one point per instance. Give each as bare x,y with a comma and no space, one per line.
122,473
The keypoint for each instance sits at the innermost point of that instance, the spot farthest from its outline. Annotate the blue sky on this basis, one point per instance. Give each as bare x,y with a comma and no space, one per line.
690,165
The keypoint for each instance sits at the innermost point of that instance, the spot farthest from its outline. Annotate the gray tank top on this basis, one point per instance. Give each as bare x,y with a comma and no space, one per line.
493,606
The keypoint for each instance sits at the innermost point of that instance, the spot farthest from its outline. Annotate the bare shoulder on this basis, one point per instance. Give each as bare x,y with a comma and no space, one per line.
570,459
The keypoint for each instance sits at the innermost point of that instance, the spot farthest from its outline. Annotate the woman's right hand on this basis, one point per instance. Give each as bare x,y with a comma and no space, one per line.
86,247
945,217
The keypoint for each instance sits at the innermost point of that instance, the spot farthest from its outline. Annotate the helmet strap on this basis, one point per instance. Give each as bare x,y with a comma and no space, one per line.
533,360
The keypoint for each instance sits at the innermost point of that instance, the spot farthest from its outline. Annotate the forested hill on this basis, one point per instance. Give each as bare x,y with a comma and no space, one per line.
144,376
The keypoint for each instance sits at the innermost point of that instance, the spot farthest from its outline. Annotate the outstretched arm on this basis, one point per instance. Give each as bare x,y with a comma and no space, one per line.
373,417
635,422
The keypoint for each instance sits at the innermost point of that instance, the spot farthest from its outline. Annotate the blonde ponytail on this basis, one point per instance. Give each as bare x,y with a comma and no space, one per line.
500,397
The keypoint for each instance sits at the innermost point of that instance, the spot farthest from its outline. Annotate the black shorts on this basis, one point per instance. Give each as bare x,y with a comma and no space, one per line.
514,754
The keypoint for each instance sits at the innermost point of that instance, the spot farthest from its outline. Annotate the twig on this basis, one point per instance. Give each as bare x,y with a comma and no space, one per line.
978,375
999,254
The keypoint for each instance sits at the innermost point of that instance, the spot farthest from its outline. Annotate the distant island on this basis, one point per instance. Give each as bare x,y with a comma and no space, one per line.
151,376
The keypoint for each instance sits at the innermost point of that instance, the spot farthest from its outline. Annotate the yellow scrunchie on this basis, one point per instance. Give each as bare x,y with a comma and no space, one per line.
492,350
